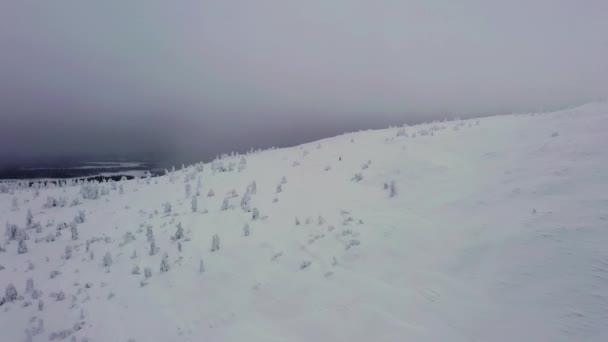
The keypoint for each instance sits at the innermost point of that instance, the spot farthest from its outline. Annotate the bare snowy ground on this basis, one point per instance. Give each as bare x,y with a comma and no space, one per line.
497,231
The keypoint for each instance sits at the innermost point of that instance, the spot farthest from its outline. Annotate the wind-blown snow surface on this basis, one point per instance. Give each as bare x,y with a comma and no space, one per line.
498,232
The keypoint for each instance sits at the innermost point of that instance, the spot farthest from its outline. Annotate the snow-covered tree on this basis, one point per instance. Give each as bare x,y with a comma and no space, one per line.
245,202
246,229
167,208
149,233
153,248
80,218
10,293
225,204
90,190
164,263
11,231
74,229
15,204
194,204
188,190
284,180
392,189
255,214
68,252
29,218
201,266
22,248
180,232
215,243
107,260
279,188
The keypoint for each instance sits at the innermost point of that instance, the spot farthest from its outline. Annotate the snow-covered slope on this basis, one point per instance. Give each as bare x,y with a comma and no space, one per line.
498,232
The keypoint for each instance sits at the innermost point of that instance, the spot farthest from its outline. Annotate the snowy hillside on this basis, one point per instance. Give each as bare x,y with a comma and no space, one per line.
493,229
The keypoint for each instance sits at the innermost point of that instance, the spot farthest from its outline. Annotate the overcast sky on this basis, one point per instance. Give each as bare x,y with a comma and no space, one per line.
191,79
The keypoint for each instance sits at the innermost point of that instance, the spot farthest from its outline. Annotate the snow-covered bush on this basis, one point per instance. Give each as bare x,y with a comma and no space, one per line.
188,190
357,177
11,231
74,229
180,232
211,193
194,204
215,243
246,229
80,218
255,214
279,188
153,248
225,204
10,293
167,208
107,260
68,252
29,218
164,263
90,190
392,189
22,249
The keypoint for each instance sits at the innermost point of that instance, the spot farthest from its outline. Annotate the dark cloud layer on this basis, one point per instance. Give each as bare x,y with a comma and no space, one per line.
190,79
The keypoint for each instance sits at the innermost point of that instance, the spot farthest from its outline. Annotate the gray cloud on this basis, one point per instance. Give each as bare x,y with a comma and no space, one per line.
190,79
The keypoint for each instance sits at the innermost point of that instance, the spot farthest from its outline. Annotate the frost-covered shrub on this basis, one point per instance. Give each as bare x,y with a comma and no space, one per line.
188,190
74,229
215,243
107,260
10,293
68,252
305,264
392,189
246,229
164,263
80,218
29,218
90,190
211,193
252,188
225,204
29,285
284,180
180,232
135,270
255,214
245,202
11,231
357,177
22,249
194,204
127,237
57,295
167,208
54,274
149,233
15,204
279,188
153,248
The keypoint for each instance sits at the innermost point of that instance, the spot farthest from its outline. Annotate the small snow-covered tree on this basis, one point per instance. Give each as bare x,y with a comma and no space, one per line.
211,193
149,233
188,190
215,243
22,249
225,204
180,232
11,231
245,202
29,218
246,229
10,293
74,229
297,221
284,180
68,252
279,188
153,248
255,214
201,266
167,208
392,189
194,204
107,260
80,218
164,263
121,189
90,190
